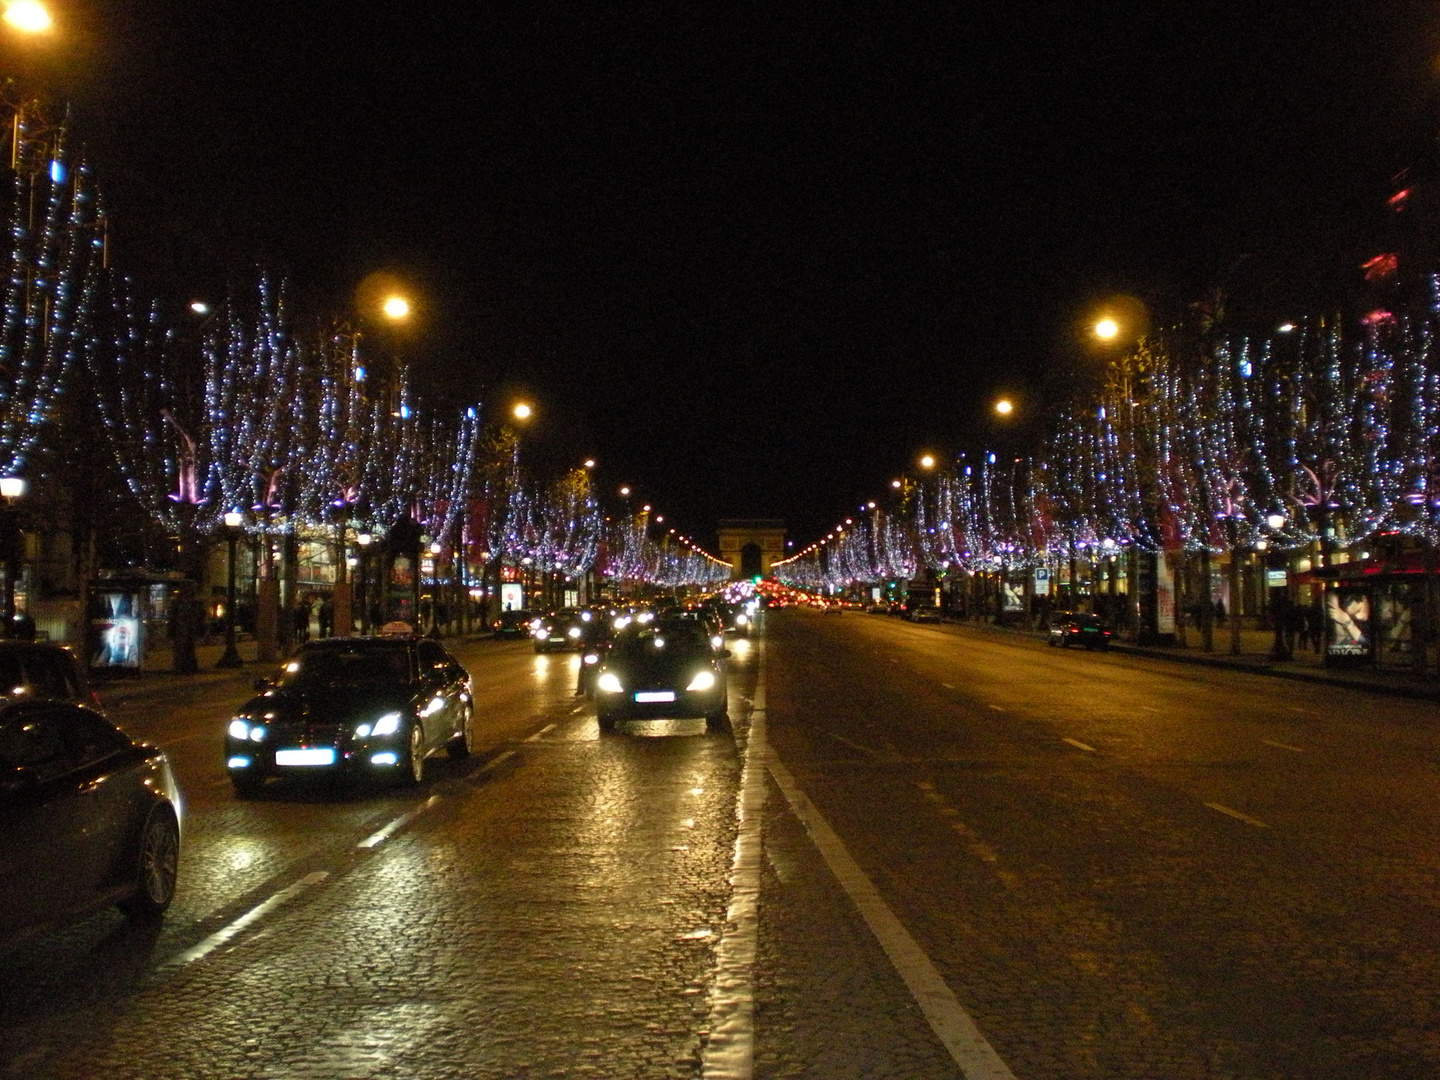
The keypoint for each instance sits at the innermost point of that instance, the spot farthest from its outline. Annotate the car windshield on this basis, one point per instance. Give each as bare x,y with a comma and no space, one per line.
349,663
683,637
1085,620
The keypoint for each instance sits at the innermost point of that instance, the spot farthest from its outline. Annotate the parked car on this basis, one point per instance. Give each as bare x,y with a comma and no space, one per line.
667,667
1078,628
923,613
88,816
360,706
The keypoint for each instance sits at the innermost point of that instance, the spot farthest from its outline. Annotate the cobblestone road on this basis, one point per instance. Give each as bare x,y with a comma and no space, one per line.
1120,870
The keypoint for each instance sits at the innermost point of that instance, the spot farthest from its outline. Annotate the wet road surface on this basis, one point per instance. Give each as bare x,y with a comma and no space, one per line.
1114,867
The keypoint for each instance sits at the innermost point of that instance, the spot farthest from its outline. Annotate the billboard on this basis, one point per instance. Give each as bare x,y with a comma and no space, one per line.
1347,620
116,629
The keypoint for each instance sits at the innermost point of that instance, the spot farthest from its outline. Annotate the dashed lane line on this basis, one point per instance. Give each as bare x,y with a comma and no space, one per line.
1237,815
854,745
259,911
548,728
1284,746
948,686
1080,745
997,708
378,837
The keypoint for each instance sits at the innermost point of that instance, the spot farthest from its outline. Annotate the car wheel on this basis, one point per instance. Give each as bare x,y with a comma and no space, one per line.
157,866
459,746
415,756
1050,642
718,721
605,720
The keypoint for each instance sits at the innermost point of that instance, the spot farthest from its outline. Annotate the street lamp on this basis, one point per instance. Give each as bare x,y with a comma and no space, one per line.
1004,407
231,657
396,308
364,540
522,411
28,16
927,461
1107,328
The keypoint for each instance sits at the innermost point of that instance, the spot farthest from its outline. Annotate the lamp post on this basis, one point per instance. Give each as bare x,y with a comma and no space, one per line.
12,543
1279,601
231,657
364,540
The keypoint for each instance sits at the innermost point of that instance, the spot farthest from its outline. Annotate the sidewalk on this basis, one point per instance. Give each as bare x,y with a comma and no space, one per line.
1395,678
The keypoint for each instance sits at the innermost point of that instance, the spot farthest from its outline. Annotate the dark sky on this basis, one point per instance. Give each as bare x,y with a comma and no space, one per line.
753,257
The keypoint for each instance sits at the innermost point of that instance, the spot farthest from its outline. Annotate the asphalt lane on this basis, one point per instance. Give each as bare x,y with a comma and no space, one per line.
1125,868
1121,868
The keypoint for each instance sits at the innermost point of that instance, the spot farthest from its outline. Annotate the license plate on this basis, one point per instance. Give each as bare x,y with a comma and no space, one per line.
655,695
321,756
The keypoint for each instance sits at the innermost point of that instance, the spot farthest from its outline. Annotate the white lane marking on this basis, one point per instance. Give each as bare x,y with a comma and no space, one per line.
854,745
997,708
1150,708
375,839
1283,746
548,728
259,911
729,1052
506,756
1295,708
974,1055
1237,815
576,711
948,686
1080,745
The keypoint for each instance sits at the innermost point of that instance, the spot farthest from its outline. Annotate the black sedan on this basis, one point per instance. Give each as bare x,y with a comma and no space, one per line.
557,631
88,817
667,667
1079,628
367,706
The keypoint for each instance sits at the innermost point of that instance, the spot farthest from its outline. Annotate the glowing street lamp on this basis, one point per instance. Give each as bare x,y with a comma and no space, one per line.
522,411
927,461
28,16
1004,407
396,308
231,657
1107,328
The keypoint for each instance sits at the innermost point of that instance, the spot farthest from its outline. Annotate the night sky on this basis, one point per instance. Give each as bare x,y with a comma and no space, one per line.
754,257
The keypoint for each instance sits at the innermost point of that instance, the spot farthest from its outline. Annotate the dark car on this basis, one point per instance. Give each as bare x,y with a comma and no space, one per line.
1079,628
558,631
923,613
88,817
513,624
363,706
732,618
596,634
668,667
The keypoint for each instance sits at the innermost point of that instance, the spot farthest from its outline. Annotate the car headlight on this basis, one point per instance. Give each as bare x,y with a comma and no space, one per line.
610,683
386,725
574,633
741,620
534,624
239,729
717,642
592,658
541,633
703,680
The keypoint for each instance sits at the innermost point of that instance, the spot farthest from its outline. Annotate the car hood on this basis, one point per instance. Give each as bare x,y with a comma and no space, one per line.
328,705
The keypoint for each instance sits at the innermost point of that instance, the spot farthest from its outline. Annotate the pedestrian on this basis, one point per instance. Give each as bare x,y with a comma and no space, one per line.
327,617
302,621
1315,627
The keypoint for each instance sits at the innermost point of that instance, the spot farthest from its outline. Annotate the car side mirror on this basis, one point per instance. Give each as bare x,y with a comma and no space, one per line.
18,781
